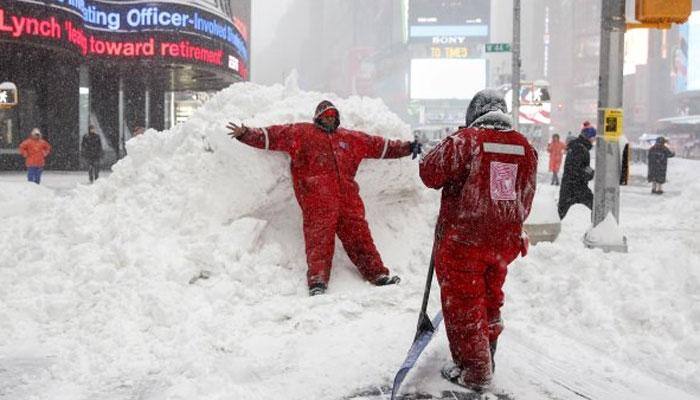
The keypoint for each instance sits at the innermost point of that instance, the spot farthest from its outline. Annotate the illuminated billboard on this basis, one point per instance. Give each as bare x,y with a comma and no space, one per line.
437,79
535,103
429,21
210,33
636,50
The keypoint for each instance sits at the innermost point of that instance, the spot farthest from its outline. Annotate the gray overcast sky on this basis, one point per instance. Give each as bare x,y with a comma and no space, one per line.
265,17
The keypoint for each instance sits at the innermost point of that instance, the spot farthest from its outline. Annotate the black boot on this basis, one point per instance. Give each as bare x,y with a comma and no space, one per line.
387,280
317,289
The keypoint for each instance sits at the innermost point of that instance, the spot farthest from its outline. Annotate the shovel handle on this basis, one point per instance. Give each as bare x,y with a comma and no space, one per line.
424,323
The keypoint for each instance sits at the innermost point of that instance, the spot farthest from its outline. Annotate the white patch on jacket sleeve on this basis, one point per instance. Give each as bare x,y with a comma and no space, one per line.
267,138
386,147
501,148
503,178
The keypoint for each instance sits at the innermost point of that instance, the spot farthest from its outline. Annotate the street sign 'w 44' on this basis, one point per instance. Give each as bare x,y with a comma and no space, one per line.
497,47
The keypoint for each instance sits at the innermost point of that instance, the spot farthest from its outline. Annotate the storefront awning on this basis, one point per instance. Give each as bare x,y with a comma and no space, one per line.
686,120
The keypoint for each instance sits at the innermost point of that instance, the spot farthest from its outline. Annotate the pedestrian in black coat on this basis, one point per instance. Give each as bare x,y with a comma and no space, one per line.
657,161
92,152
577,173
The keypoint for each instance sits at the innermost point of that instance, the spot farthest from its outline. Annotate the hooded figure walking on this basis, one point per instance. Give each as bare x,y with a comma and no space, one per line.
577,172
657,161
487,172
324,161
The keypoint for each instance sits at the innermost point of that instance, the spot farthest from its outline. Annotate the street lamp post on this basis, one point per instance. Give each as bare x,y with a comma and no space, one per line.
515,80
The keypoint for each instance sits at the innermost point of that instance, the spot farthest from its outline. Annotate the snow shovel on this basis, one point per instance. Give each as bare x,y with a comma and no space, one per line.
424,333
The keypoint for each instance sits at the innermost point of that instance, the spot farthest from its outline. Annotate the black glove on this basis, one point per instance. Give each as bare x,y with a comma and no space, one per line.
590,173
416,148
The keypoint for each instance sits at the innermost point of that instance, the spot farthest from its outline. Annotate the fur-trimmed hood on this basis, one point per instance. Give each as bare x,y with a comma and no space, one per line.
488,110
497,120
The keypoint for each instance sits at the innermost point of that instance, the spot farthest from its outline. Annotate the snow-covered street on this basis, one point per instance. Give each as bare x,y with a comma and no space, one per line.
98,299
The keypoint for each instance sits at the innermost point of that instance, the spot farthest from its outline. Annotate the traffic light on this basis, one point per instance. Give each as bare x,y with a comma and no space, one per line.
663,11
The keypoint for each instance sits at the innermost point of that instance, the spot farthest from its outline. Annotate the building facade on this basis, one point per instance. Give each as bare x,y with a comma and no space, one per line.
113,65
562,47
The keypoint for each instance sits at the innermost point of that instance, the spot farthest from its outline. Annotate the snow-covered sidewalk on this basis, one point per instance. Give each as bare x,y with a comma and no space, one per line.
54,180
96,300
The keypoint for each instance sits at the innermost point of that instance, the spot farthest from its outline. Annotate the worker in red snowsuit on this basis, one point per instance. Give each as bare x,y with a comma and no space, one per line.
324,160
487,173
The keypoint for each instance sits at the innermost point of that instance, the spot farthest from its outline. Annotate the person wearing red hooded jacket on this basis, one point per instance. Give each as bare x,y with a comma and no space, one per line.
34,149
324,160
556,149
487,173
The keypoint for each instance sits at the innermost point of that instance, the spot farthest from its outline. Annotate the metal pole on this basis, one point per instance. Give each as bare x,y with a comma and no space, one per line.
121,118
612,49
516,64
607,176
172,109
147,101
83,106
84,100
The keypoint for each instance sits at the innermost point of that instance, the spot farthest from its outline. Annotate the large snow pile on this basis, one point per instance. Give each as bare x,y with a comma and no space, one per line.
95,285
96,300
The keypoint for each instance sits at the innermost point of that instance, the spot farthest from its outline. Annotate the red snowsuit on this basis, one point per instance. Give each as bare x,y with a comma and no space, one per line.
323,172
488,180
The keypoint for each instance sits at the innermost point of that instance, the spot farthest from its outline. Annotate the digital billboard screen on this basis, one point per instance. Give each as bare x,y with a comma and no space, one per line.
430,19
203,32
438,79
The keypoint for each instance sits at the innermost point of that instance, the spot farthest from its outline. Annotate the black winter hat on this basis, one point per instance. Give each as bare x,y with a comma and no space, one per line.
484,102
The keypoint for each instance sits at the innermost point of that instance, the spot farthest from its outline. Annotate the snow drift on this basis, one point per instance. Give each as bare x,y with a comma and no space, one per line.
96,284
96,300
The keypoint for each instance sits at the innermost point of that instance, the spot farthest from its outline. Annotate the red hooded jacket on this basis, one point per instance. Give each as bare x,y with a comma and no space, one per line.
556,150
488,181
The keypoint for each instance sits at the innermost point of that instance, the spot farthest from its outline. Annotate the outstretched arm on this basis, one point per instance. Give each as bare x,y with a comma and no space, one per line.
444,163
276,138
379,147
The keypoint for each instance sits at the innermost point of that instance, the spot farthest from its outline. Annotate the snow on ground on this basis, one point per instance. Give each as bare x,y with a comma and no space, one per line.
16,195
97,300
641,308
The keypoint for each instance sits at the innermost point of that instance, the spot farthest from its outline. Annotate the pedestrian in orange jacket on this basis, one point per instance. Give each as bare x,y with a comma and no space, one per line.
35,150
556,149
324,160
